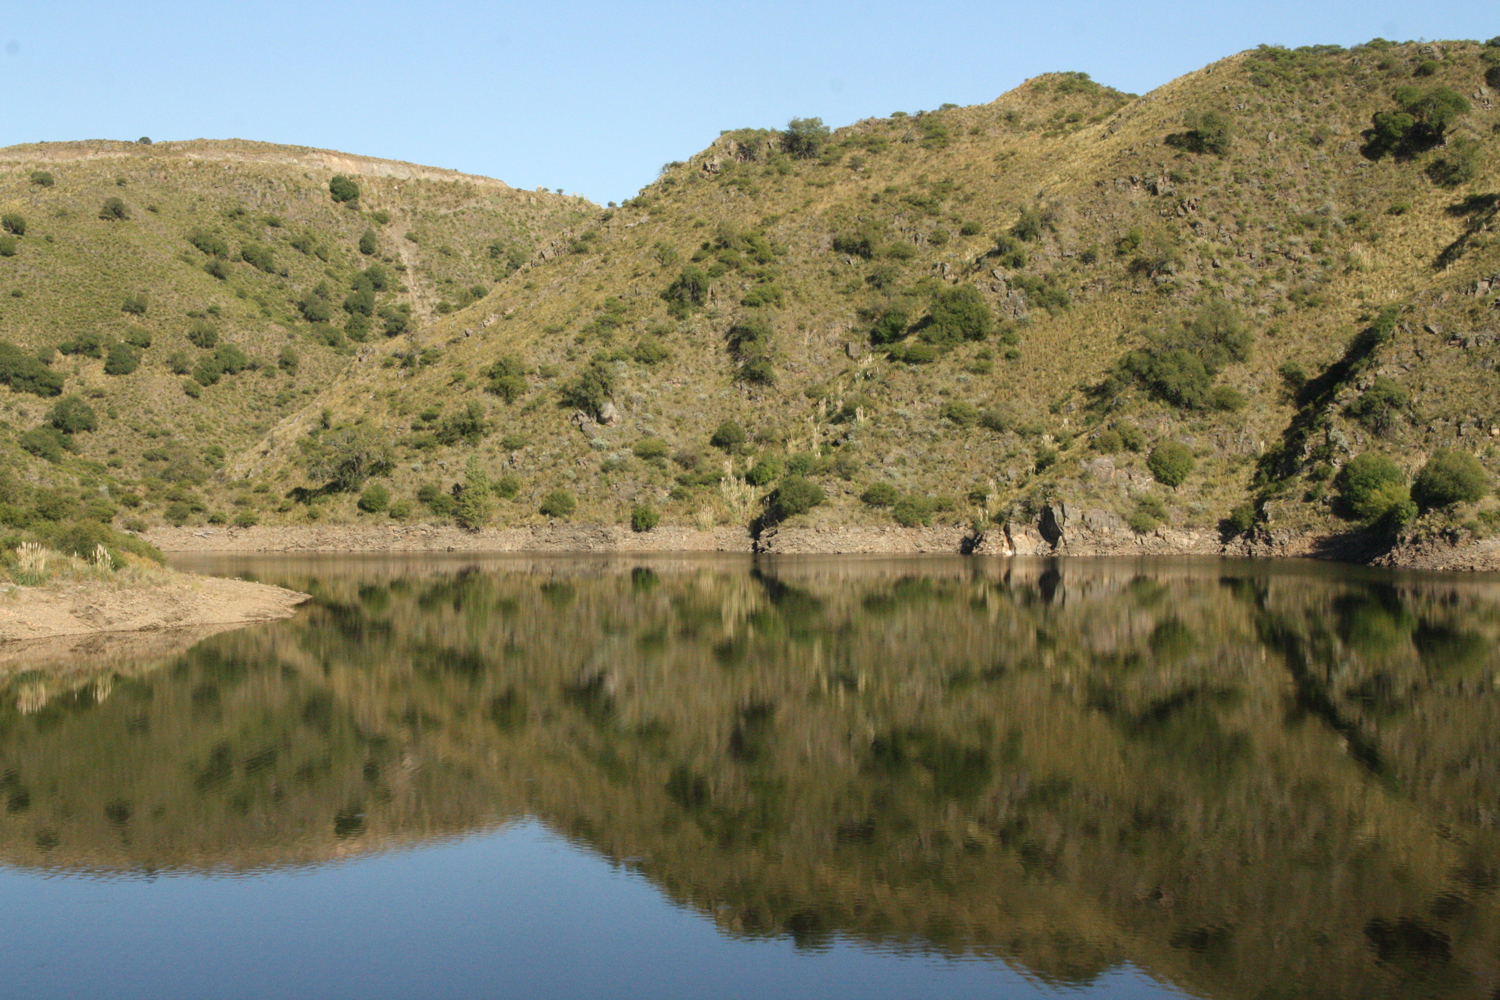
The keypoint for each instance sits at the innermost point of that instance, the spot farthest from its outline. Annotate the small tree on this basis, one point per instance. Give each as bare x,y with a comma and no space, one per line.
959,314
1450,477
688,292
72,415
114,210
590,389
643,517
343,189
1171,462
368,242
122,359
476,502
507,377
804,138
13,223
346,457
42,178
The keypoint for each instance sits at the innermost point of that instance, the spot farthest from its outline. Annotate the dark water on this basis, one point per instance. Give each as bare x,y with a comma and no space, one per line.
676,777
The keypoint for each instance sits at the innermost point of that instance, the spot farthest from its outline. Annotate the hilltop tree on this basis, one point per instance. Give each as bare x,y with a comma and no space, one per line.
804,138
1419,122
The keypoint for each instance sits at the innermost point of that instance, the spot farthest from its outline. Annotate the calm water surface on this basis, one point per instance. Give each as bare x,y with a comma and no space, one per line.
681,777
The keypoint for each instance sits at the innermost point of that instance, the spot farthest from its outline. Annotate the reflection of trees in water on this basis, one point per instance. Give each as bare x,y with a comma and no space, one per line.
1234,779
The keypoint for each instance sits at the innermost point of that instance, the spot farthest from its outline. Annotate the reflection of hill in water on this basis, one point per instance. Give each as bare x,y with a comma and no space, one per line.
1243,781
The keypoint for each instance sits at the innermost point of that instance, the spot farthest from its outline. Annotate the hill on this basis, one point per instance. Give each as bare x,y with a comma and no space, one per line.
1177,316
183,291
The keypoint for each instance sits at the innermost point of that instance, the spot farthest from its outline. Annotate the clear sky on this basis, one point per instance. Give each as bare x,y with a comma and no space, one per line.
594,97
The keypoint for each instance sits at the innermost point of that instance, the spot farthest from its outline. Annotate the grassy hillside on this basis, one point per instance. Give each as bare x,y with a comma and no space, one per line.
190,294
1258,272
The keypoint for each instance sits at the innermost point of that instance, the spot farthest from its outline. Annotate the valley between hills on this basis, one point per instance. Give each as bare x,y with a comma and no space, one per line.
1253,311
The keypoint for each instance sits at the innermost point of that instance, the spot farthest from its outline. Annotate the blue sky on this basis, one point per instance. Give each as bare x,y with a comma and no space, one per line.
595,97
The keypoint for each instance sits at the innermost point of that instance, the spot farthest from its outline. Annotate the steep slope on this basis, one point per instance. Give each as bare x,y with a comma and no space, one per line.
947,302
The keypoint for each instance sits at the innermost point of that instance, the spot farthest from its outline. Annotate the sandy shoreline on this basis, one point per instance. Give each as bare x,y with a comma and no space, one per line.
174,601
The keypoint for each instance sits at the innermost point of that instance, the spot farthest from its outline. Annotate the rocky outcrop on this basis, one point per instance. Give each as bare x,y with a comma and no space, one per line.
1063,528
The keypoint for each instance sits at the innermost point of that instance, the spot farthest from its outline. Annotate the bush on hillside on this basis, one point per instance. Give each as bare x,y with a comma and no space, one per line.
590,389
1373,488
1171,462
1378,406
958,314
879,495
122,359
8,246
114,210
368,242
343,189
202,333
72,415
1207,132
25,372
208,243
1419,121
644,517
558,503
507,378
13,223
688,292
46,443
728,436
1460,163
1450,477
374,499
42,178
796,495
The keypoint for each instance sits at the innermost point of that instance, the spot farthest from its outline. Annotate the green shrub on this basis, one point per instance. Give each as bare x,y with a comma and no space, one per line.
245,519
25,372
209,243
343,189
192,389
688,292
1460,163
890,326
45,442
135,305
796,495
72,415
651,449
368,242
1378,406
590,389
959,412
137,337
1207,132
959,314
764,471
879,495
1242,518
728,436
507,378
87,344
1421,119
1450,477
8,246
1374,489
558,503
114,210
374,499
258,256
644,517
122,359
14,223
911,511
42,178
507,486
1171,462
1226,399
1108,442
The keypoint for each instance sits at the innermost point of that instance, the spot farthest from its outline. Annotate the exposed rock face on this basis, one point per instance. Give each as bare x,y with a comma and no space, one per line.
1063,528
609,415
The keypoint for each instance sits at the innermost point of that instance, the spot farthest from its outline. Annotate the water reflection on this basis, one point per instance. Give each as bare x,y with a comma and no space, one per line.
1249,782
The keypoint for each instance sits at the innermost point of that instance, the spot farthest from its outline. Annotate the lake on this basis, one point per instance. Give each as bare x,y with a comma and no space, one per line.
734,777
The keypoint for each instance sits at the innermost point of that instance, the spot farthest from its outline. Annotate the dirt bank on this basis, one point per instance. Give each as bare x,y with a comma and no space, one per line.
168,601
